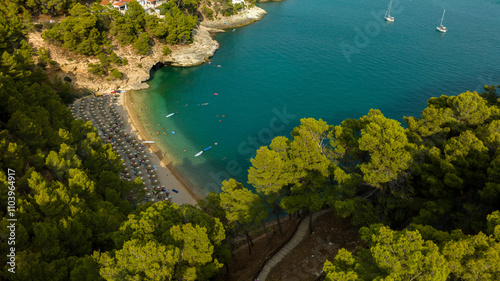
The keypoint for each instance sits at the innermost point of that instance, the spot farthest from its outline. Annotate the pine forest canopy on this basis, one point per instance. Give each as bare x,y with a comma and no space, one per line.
437,182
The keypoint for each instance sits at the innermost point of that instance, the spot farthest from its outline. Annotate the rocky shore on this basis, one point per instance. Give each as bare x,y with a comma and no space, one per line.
138,69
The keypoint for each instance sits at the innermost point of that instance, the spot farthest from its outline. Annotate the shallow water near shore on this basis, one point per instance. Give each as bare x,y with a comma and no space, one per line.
324,59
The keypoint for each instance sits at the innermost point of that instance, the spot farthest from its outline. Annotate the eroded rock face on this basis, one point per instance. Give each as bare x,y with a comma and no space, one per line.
244,17
137,71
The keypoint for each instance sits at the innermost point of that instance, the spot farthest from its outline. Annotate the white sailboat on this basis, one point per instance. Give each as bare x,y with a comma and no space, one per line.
388,14
441,27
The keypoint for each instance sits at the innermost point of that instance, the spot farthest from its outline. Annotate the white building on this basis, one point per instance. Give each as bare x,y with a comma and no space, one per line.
150,6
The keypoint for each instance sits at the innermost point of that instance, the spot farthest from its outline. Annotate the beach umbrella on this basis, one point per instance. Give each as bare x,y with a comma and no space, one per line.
127,175
140,173
145,156
126,170
126,147
131,155
161,195
156,182
147,161
148,194
129,150
153,177
152,172
133,141
149,167
157,188
153,200
135,164
146,189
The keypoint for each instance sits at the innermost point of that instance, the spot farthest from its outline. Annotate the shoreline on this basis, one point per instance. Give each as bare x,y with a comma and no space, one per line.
186,194
138,70
203,47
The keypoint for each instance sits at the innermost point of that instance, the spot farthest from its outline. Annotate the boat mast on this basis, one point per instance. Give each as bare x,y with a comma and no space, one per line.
442,17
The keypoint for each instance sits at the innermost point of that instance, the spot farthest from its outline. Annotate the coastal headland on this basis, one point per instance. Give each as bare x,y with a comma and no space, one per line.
137,71
139,67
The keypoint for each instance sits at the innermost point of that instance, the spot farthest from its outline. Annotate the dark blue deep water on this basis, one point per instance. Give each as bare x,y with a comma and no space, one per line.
328,59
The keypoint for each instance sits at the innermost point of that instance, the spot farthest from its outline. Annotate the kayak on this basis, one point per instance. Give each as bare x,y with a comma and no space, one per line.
173,132
170,115
207,148
198,154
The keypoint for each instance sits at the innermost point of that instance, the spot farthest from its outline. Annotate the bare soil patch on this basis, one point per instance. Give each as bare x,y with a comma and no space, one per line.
305,262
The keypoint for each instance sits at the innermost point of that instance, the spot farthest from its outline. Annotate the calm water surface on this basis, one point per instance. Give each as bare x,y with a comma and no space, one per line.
318,58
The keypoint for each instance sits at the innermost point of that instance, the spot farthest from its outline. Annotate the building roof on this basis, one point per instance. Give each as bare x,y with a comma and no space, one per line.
127,1
151,0
105,2
118,4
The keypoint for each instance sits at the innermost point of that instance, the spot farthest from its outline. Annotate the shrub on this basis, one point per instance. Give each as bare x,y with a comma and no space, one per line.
208,13
124,61
114,58
166,51
116,74
142,44
95,69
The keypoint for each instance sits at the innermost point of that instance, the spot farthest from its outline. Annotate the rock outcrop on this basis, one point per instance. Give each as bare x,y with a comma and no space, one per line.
138,69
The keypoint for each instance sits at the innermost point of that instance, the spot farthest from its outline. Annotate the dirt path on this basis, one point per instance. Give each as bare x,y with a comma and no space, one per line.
302,231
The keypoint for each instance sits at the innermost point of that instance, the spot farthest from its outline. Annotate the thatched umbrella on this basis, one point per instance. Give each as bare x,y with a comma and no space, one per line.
156,182
126,170
153,200
135,164
153,177
161,195
157,188
152,172
148,194
146,189
127,175
140,173
149,167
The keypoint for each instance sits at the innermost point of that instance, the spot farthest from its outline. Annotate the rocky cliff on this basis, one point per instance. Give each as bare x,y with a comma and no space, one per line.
137,71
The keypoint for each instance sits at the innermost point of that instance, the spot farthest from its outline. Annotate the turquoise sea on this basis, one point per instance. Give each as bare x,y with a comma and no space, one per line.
317,58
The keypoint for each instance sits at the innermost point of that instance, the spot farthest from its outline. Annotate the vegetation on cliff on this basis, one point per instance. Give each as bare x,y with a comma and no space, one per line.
427,194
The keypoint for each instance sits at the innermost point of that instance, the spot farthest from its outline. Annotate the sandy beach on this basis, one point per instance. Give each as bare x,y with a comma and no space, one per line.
166,173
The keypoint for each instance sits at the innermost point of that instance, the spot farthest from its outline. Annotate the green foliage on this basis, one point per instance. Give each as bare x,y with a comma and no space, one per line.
96,69
208,13
114,58
166,51
79,32
391,256
187,244
116,74
142,44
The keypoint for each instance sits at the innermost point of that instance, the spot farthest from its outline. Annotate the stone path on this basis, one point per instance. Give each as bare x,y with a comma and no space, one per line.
302,231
